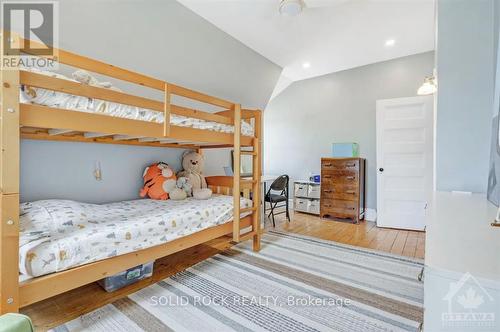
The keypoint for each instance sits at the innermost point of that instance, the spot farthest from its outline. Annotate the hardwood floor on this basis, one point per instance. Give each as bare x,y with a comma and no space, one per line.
365,234
62,308
68,306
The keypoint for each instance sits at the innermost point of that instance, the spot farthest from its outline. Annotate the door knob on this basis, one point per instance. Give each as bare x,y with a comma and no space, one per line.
381,169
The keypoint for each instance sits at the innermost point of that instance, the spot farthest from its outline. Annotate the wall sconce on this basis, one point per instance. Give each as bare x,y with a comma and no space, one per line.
97,171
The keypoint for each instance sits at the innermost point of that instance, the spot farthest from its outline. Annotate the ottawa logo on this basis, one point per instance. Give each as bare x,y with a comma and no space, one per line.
469,305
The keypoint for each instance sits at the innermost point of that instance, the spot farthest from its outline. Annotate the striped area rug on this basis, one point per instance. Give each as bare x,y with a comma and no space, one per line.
295,283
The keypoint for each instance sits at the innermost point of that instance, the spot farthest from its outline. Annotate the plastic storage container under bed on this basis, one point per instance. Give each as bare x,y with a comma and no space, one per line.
125,278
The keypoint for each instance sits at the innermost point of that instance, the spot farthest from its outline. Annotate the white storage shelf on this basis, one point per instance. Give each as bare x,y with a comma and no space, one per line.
306,197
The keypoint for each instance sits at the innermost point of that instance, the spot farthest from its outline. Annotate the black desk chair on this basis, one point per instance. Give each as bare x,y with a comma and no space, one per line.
277,193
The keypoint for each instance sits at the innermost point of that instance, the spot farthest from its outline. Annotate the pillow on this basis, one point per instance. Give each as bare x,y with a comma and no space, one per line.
34,223
85,77
53,215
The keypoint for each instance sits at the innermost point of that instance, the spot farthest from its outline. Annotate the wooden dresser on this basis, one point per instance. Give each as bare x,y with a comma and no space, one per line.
343,188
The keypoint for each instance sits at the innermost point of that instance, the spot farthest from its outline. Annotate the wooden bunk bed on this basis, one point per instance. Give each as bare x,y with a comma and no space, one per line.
31,121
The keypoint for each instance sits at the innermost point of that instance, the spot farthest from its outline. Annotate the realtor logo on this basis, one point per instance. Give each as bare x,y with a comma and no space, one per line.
469,305
29,34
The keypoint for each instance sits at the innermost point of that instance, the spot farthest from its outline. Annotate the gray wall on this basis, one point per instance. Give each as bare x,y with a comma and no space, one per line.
496,30
465,68
162,39
65,170
301,123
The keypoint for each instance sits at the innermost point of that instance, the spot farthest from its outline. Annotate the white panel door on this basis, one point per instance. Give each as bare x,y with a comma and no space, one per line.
404,161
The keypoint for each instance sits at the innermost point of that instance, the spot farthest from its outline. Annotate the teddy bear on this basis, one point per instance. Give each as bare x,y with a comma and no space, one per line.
182,189
184,184
159,181
192,163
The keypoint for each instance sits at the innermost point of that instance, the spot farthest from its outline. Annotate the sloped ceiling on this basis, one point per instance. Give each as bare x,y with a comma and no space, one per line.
330,35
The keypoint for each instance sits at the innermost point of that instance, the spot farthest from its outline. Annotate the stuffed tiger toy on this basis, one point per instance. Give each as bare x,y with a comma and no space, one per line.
159,181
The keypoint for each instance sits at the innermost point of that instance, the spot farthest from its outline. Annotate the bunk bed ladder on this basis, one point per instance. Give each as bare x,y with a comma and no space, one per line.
254,209
166,110
9,191
237,173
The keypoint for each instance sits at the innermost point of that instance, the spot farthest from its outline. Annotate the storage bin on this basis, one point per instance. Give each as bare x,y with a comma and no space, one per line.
314,191
130,276
345,150
301,204
301,189
313,206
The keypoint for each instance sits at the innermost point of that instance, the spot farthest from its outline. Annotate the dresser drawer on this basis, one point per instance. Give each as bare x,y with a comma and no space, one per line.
339,192
339,176
341,186
343,214
340,164
335,206
338,204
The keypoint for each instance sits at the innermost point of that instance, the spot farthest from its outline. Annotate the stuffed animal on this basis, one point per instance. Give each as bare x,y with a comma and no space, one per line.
192,163
185,185
177,194
159,181
182,189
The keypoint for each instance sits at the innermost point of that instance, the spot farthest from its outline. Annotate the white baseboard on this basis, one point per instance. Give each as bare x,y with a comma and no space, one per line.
370,214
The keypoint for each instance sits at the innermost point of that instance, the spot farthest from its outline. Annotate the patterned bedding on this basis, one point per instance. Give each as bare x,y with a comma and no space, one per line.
59,234
38,96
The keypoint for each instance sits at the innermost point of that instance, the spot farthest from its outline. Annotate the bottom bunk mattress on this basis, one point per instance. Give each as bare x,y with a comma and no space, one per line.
57,235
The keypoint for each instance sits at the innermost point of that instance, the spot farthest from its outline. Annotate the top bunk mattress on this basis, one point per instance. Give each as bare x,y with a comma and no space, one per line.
56,235
39,96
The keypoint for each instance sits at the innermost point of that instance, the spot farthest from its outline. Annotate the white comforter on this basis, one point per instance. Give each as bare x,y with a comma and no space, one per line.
59,234
83,104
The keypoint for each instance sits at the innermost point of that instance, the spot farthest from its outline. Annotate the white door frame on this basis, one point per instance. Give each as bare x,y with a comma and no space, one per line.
428,121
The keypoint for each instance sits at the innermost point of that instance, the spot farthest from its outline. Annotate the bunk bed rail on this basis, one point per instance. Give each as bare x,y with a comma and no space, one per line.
37,289
30,118
166,136
56,84
224,185
96,66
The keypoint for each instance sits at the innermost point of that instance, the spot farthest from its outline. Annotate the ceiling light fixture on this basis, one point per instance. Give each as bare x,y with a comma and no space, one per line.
429,87
291,7
306,65
390,42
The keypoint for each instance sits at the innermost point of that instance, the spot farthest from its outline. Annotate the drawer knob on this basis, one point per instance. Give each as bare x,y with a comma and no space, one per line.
327,177
328,205
381,169
350,178
328,191
328,165
351,165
